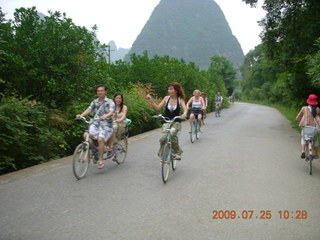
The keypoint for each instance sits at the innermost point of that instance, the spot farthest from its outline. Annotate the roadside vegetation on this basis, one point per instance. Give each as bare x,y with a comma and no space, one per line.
49,68
285,68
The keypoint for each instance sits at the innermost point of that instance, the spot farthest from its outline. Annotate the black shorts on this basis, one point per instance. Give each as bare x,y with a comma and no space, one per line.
196,112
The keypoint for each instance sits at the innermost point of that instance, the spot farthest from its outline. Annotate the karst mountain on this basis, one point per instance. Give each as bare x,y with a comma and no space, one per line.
193,30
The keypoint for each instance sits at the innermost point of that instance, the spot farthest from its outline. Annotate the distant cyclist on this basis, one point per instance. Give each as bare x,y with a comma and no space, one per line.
309,116
197,107
218,100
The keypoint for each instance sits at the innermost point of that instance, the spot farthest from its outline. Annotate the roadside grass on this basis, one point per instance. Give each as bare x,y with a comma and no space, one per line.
289,113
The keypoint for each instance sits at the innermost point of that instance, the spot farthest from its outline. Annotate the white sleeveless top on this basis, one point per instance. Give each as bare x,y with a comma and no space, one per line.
197,104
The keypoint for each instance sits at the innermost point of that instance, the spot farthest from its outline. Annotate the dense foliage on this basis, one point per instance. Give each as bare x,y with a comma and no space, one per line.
49,68
285,68
190,29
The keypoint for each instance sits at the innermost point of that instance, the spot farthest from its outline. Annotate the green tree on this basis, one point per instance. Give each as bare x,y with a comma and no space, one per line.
314,67
50,59
290,29
223,68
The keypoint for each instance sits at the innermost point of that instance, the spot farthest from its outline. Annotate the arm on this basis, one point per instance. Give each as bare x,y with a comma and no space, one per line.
105,116
85,113
188,103
184,107
110,113
124,115
300,115
157,106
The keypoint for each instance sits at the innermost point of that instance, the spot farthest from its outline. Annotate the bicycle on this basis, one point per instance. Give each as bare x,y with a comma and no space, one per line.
218,109
310,135
88,150
194,127
167,157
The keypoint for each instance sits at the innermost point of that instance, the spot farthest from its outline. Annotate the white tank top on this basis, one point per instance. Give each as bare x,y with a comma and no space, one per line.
197,104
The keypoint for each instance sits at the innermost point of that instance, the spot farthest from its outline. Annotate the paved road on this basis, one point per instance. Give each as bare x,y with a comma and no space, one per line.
246,160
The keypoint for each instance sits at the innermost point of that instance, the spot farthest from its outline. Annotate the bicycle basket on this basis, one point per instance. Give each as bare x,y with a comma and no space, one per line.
127,122
309,132
166,127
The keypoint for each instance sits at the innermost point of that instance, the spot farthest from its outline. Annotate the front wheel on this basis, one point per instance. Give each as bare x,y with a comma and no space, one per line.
120,147
192,132
165,166
197,127
80,162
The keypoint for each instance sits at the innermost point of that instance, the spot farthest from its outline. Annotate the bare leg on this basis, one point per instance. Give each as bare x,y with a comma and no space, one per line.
191,118
101,150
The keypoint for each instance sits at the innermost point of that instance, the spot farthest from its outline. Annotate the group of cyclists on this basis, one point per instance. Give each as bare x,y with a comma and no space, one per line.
109,116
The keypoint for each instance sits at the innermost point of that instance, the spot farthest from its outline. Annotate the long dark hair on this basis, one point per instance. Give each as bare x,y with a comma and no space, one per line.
178,88
121,104
314,110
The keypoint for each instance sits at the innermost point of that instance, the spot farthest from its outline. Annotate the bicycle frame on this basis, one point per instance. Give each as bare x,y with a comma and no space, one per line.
166,155
310,136
194,128
81,156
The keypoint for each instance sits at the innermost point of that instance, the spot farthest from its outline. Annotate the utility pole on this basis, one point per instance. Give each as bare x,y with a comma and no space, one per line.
109,53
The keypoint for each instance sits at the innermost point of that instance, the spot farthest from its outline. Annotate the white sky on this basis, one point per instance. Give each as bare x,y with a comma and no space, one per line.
122,20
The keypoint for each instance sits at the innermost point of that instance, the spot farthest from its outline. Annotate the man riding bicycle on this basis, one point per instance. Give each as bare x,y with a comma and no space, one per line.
101,127
218,100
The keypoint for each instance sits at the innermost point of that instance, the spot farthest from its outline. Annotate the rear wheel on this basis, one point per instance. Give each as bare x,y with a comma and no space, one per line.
309,157
165,166
80,162
310,164
120,147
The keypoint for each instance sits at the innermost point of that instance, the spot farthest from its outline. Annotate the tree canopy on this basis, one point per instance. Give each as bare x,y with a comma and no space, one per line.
289,36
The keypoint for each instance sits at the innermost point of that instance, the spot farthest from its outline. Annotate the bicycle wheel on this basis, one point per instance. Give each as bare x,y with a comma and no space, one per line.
120,147
173,162
310,164
165,166
197,127
80,162
192,132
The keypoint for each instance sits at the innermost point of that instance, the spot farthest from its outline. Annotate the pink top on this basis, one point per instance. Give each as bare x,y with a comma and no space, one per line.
305,117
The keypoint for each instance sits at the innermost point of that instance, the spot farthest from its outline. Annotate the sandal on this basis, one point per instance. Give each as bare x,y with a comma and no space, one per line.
177,157
100,165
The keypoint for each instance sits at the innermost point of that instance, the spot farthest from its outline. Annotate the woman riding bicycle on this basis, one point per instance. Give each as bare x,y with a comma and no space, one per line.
119,116
197,107
173,104
309,116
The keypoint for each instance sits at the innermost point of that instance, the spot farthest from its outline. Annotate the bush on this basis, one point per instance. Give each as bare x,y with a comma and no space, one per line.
30,134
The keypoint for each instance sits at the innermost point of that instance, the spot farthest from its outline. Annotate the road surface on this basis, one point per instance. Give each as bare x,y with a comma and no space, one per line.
247,161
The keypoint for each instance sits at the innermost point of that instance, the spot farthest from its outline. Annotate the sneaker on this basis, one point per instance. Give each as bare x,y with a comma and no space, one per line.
303,155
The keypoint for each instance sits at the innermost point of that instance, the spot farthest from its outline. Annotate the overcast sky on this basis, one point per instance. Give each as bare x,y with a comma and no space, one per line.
122,20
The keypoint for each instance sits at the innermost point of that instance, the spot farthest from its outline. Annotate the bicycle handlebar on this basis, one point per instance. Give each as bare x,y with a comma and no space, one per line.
84,119
167,120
